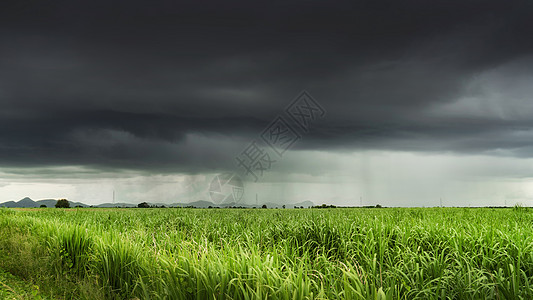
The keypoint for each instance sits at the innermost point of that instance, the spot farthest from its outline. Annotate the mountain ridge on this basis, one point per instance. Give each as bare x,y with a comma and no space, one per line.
27,202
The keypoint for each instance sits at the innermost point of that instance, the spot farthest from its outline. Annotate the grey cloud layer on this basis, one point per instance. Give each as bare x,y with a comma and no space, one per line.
160,86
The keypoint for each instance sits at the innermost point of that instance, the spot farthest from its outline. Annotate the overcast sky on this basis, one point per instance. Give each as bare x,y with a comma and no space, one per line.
422,100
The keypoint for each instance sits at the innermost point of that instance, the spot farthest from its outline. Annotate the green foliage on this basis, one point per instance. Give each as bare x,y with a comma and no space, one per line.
12,287
387,253
143,205
62,203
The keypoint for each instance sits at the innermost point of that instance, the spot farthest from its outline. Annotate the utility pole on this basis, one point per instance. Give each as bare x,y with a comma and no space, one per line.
441,202
113,196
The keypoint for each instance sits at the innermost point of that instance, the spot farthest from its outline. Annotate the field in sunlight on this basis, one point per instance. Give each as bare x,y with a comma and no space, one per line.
350,253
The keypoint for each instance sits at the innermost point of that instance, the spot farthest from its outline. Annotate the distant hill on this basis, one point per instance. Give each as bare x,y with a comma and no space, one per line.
47,202
289,205
199,204
106,205
206,204
29,203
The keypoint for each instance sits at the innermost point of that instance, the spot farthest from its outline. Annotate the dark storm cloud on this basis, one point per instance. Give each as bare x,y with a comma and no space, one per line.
129,84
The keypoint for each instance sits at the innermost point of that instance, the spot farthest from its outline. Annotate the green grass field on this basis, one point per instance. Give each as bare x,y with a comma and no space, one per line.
389,253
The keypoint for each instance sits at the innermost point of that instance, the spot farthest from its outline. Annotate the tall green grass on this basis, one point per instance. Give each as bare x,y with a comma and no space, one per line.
396,253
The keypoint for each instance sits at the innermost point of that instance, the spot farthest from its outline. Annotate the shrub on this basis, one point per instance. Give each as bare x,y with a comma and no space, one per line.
62,203
143,205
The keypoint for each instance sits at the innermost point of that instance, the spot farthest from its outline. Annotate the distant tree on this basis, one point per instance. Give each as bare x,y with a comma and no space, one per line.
283,206
143,205
62,203
378,206
264,206
324,206
43,206
78,206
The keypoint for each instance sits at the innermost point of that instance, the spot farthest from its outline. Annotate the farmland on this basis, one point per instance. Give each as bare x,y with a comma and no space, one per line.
347,253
